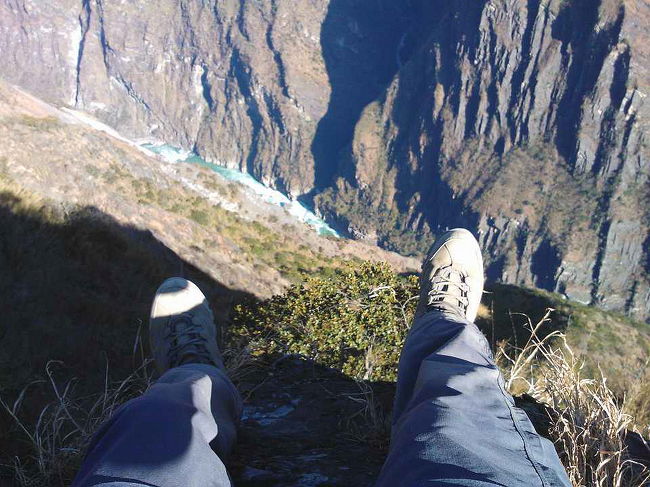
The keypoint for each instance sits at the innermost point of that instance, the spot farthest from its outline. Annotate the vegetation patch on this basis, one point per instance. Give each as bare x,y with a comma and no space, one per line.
364,217
355,322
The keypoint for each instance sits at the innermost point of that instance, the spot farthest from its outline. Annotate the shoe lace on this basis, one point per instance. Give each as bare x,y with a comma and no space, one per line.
186,340
442,283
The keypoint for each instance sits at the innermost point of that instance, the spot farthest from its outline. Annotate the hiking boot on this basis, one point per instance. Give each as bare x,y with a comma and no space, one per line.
452,276
181,327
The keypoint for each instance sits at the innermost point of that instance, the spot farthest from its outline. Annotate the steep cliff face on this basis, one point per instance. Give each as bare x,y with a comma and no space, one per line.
525,121
245,84
242,82
522,120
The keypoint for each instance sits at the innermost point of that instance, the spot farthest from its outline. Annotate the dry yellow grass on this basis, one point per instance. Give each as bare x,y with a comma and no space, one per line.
591,426
65,426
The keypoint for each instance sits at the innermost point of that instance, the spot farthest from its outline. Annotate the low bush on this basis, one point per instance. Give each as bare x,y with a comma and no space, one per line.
355,322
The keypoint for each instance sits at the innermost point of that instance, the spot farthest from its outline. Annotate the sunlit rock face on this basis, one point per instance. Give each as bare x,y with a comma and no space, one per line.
524,121
243,83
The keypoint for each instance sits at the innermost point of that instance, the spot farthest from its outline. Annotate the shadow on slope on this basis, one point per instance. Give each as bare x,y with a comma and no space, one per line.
308,424
362,43
75,287
508,310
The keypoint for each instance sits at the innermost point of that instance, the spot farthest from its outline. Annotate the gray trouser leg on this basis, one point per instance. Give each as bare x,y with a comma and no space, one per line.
454,423
176,434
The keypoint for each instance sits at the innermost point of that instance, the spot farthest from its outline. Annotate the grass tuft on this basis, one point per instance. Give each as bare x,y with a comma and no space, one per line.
60,436
589,425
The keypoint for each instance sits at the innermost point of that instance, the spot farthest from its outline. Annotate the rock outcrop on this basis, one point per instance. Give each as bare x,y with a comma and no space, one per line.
244,84
525,121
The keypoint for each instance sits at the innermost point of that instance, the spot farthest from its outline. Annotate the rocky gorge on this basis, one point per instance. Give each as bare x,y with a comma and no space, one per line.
524,121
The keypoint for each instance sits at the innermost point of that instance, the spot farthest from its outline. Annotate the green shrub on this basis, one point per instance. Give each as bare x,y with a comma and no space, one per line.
356,322
40,123
200,217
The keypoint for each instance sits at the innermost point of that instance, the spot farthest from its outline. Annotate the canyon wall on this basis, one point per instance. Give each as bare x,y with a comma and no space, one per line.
524,121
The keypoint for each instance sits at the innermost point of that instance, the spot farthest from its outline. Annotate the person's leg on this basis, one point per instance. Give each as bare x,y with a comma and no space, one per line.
181,430
454,423
177,433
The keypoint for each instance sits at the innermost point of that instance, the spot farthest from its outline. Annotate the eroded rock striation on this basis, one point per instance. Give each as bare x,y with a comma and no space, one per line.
244,84
525,121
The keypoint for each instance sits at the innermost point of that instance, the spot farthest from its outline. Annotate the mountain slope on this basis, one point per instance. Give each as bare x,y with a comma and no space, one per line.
49,153
524,121
91,224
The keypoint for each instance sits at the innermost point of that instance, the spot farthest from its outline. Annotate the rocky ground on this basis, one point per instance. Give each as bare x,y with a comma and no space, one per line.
306,425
